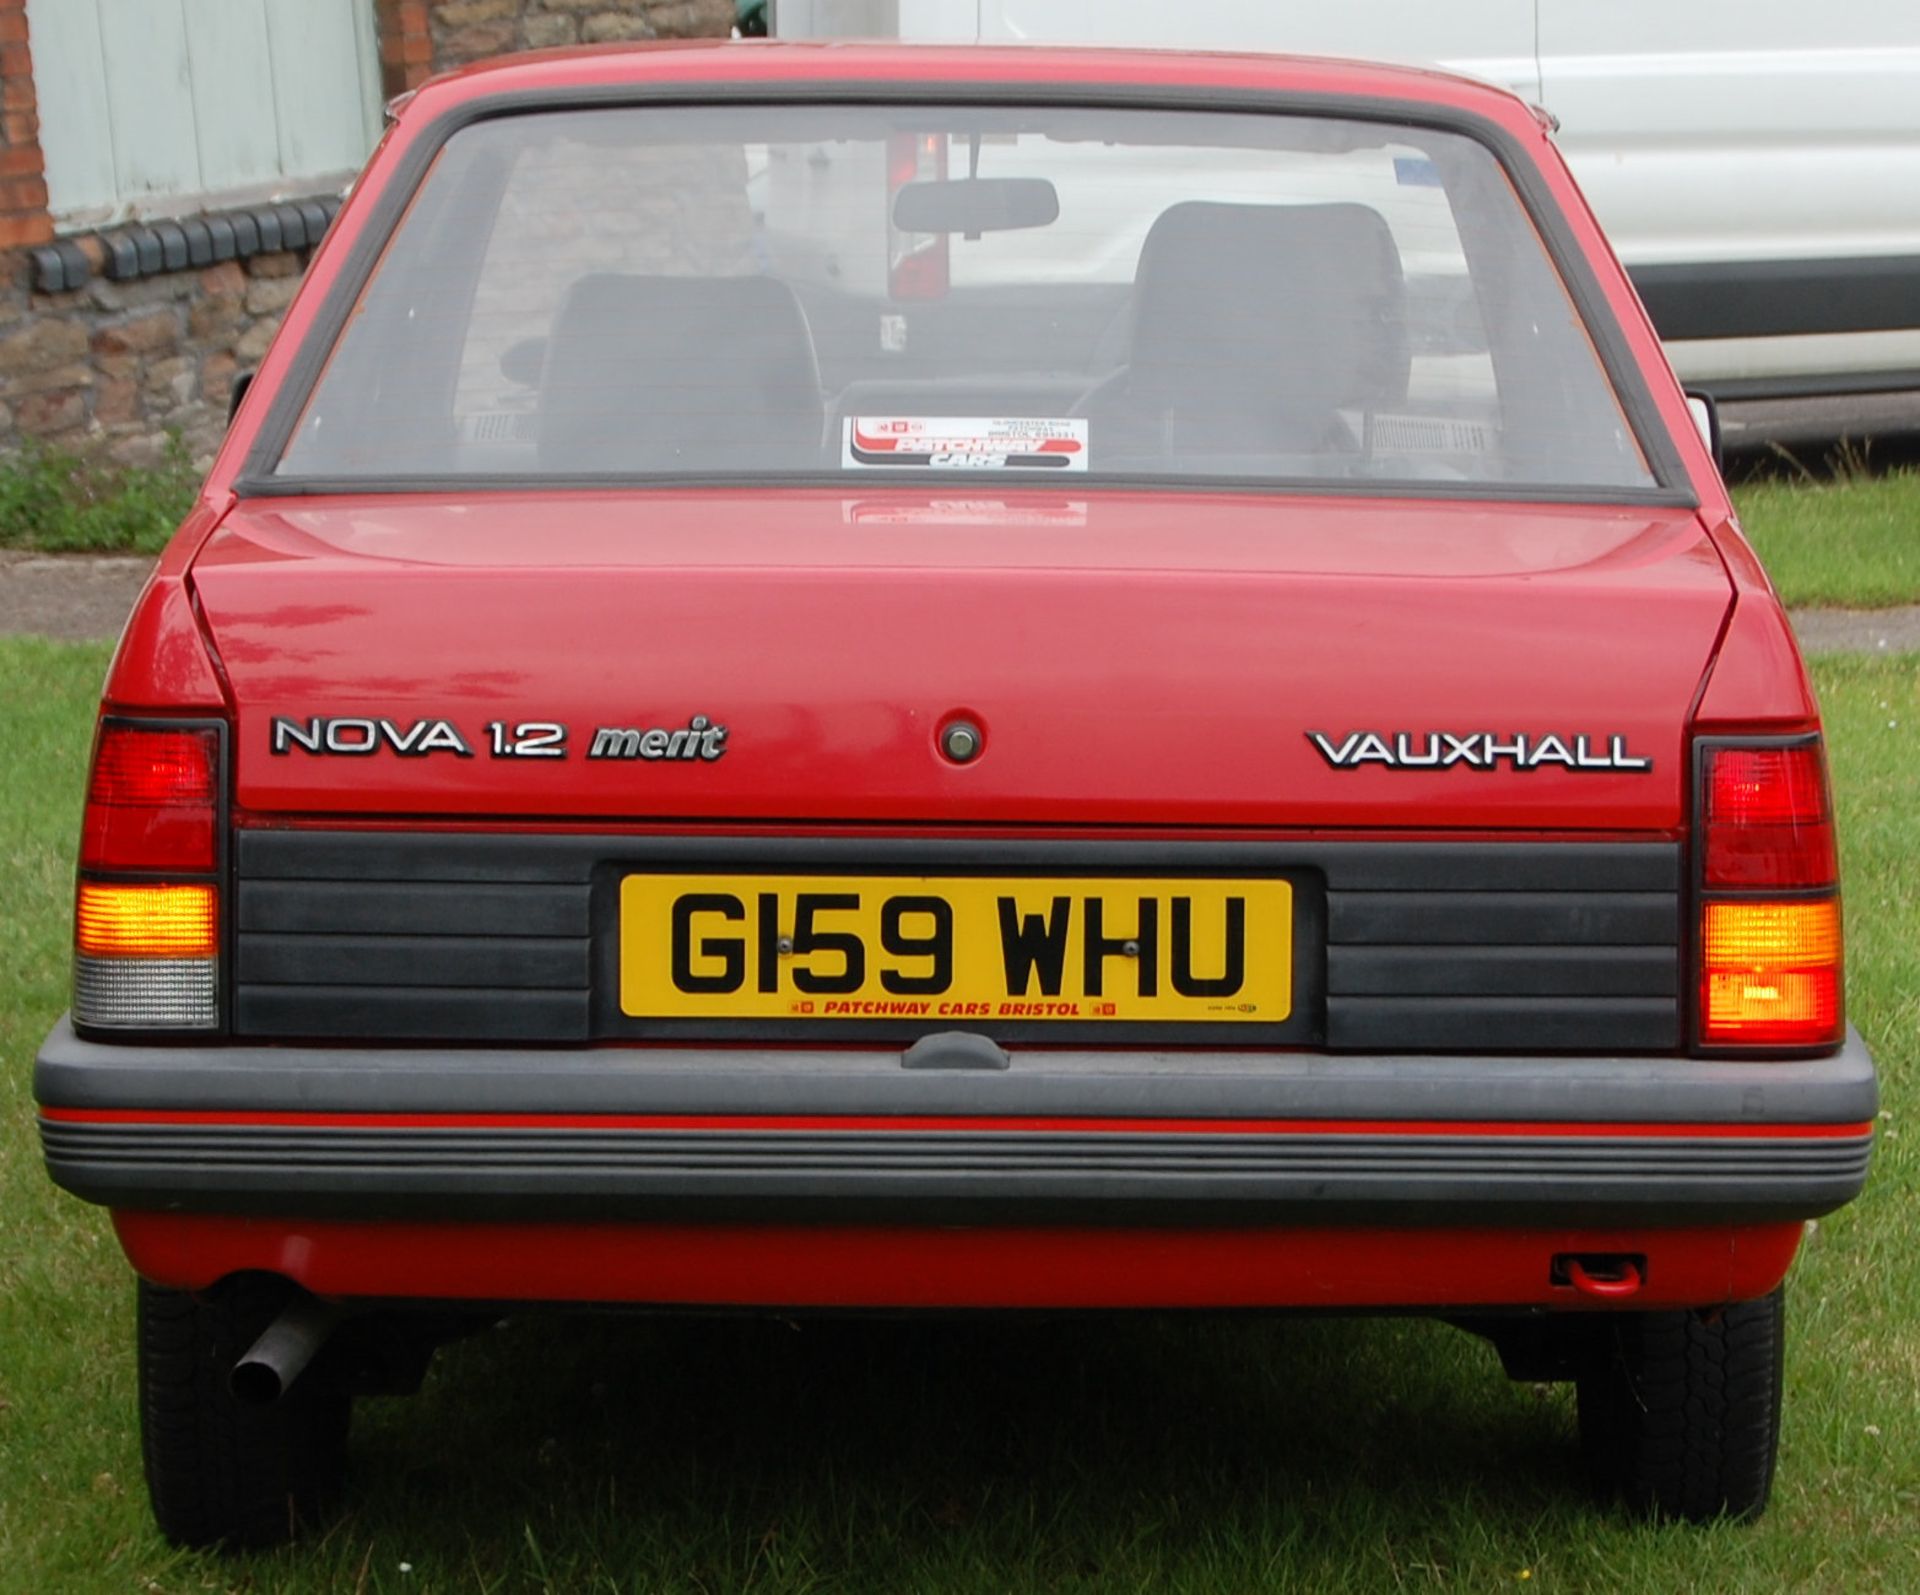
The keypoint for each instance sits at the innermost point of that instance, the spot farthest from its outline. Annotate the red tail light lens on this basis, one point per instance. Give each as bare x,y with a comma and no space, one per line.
1769,819
916,262
146,950
1769,934
152,802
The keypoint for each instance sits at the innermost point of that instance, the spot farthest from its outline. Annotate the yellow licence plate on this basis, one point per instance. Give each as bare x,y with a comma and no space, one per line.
929,947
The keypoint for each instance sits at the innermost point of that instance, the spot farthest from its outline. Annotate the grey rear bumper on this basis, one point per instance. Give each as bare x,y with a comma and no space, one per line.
1224,1135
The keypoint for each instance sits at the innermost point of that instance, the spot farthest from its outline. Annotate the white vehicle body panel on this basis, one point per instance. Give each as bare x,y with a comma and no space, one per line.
1716,140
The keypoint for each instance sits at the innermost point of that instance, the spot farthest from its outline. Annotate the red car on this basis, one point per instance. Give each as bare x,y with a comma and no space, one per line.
870,677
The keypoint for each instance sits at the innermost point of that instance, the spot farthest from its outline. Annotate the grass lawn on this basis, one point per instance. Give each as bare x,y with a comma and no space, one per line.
1853,541
1848,539
1310,1455
56,502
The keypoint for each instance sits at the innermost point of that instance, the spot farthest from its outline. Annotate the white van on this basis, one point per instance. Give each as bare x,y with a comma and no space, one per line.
1755,162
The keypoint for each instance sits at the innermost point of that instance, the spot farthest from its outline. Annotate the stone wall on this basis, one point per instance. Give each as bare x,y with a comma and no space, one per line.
421,37
470,30
110,368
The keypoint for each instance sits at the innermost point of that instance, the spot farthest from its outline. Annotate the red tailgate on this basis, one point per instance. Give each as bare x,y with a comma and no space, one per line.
1133,658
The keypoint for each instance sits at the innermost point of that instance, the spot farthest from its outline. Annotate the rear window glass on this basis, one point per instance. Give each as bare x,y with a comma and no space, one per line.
913,292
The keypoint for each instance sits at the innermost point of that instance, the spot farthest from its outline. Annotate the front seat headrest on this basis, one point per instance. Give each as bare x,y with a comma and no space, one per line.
670,374
1286,312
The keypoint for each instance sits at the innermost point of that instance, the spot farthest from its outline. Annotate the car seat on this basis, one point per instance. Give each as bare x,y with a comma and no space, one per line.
679,374
1253,326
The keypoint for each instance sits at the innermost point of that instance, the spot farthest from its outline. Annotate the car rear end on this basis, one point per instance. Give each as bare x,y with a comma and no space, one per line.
665,772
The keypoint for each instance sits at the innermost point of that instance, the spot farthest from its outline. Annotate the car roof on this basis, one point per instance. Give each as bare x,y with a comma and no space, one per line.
778,63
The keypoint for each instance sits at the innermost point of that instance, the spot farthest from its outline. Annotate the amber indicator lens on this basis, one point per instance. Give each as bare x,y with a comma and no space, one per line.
1769,819
1770,973
145,921
152,800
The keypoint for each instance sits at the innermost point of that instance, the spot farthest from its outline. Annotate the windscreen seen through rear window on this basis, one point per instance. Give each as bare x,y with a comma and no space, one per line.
895,292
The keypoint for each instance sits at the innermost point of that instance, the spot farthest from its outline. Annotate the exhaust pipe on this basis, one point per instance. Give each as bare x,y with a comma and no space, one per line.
281,1354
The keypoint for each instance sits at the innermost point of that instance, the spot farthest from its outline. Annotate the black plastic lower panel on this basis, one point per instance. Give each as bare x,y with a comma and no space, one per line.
420,936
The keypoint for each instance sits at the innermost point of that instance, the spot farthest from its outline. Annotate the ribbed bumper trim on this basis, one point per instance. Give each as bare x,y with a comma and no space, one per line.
455,1171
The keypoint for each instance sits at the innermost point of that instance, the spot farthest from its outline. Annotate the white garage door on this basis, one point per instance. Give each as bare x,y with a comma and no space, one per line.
155,107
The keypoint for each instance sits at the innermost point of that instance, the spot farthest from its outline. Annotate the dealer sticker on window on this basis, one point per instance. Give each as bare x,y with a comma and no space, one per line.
963,443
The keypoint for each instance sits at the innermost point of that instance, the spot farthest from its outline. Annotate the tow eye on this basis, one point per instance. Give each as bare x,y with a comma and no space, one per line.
1605,1274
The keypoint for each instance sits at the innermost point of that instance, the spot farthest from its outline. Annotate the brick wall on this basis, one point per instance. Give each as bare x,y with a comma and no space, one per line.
23,183
111,367
406,46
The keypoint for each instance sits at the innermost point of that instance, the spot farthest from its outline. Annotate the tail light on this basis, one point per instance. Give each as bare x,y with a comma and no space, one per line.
146,940
916,262
1769,951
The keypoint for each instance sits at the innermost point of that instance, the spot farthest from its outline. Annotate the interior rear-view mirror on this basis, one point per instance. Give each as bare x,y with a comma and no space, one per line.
976,205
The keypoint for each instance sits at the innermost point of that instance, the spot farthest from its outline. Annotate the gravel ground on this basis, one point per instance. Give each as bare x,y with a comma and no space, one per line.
80,597
1865,631
71,597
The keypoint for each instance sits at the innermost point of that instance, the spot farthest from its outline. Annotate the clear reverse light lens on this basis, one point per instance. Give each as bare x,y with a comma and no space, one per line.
145,993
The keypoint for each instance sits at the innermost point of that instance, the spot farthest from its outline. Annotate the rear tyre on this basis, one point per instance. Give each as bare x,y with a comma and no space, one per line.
1680,1411
219,1472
